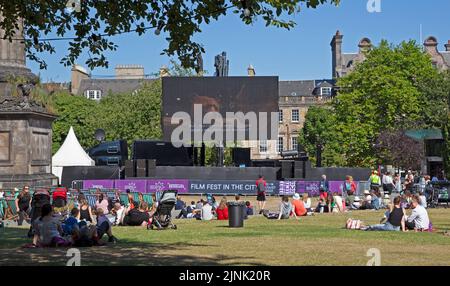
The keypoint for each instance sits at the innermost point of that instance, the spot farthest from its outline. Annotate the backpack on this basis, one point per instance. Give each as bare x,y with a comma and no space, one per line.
261,187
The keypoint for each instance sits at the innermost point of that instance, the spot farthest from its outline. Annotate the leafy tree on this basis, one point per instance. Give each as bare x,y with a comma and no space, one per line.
130,116
397,149
319,129
391,90
75,111
396,88
90,25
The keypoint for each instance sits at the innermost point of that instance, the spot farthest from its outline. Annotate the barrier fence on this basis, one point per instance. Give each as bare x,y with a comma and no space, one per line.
218,186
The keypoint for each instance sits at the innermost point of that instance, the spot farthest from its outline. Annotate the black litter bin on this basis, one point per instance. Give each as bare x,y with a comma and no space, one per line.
236,214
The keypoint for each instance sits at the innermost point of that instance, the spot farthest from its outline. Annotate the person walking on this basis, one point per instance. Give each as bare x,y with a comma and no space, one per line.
261,193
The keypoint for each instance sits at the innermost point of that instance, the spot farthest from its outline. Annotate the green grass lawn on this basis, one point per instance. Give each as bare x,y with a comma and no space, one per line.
317,240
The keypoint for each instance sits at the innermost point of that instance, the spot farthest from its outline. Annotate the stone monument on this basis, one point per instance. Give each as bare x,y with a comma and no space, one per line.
221,64
12,63
25,125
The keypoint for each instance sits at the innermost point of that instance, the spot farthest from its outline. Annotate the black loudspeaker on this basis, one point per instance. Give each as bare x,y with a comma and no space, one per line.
264,163
141,168
299,169
130,171
241,156
287,169
151,168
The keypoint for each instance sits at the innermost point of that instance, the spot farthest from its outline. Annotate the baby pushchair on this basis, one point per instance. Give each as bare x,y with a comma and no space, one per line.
162,218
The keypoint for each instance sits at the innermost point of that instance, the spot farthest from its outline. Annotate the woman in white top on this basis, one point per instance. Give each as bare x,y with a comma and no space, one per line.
307,202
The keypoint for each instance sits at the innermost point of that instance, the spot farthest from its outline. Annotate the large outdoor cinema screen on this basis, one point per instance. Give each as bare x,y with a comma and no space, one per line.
254,97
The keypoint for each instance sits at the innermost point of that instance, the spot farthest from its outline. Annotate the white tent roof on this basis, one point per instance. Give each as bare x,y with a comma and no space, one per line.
71,153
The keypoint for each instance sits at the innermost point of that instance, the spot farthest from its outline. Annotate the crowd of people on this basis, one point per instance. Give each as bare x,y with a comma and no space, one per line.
208,209
86,224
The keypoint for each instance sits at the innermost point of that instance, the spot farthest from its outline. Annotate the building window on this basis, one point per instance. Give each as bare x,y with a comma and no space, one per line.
263,146
280,116
294,143
280,145
325,91
93,94
295,115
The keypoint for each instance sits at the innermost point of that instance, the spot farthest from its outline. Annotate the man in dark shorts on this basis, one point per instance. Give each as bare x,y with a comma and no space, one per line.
261,193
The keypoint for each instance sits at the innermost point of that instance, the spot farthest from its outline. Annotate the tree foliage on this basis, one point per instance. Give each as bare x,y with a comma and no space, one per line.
122,116
396,88
90,25
397,149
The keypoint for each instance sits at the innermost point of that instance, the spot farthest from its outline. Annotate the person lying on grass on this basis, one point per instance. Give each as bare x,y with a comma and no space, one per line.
395,219
286,208
138,216
47,230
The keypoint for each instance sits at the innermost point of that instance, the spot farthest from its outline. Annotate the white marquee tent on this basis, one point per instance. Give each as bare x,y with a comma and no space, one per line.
70,154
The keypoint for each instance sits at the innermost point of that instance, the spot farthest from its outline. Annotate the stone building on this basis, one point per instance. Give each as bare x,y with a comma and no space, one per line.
344,63
127,78
295,97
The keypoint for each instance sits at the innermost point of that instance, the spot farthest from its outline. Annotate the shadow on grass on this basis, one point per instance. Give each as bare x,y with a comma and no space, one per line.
125,252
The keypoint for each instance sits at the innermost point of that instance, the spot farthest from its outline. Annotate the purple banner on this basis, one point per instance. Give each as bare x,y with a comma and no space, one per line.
182,186
287,188
132,185
336,186
312,188
100,184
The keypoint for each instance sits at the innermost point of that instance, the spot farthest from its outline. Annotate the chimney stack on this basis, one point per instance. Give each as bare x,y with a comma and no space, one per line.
251,71
130,72
336,50
447,46
78,74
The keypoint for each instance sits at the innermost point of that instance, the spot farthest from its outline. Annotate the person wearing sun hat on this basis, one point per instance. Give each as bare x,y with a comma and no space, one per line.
299,205
356,205
386,200
367,202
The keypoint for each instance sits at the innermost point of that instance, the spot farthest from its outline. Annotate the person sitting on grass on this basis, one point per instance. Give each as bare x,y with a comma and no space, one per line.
222,210
138,216
338,203
286,208
418,220
104,226
367,202
356,205
118,212
85,211
322,206
395,219
249,208
307,202
299,206
376,200
71,222
205,213
102,203
47,230
187,212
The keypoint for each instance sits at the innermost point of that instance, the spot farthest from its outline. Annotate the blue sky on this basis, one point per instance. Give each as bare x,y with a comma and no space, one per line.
301,53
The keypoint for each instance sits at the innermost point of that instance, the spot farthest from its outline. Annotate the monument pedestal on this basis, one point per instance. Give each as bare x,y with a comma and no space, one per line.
25,143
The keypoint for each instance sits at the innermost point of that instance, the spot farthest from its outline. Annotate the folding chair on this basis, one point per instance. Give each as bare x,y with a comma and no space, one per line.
11,204
135,196
2,208
148,199
124,199
111,194
91,199
158,195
